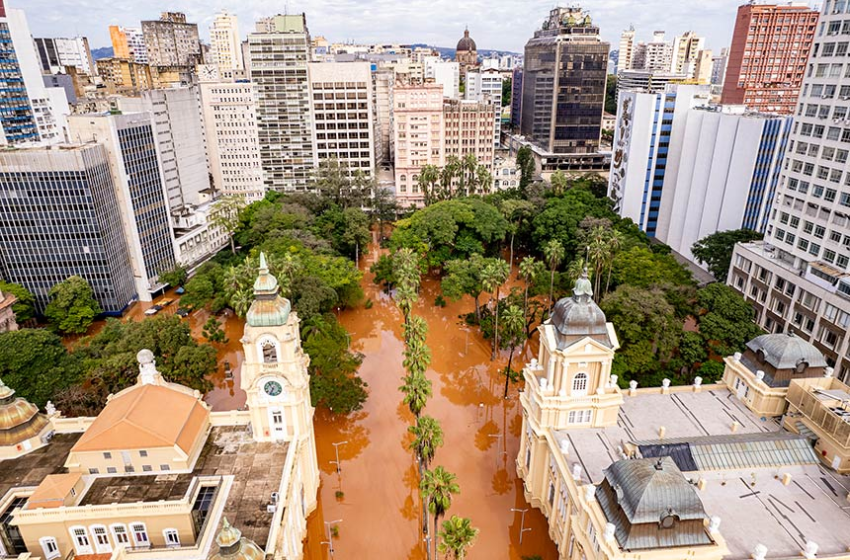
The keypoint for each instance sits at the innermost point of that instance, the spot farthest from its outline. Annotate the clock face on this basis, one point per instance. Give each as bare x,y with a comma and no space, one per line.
273,388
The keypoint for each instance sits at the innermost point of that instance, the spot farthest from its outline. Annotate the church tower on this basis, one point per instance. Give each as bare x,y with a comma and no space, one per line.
274,372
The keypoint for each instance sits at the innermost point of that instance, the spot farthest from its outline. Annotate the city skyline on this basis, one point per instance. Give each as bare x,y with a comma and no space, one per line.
495,25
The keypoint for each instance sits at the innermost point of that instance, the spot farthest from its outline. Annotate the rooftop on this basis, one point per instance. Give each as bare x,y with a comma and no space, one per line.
31,469
257,469
812,507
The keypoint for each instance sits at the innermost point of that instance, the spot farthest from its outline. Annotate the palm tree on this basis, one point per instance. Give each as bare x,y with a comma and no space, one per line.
457,535
492,277
529,269
484,179
417,391
438,487
514,327
429,179
428,436
406,271
415,330
615,243
554,253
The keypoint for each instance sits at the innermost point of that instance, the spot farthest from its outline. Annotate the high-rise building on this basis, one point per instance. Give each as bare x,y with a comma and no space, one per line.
60,217
657,55
446,73
468,125
718,67
29,111
341,103
131,146
626,52
418,136
171,41
704,67
225,46
383,81
56,54
685,54
181,143
649,81
564,80
486,86
767,60
122,76
128,43
798,278
683,170
230,119
516,98
279,51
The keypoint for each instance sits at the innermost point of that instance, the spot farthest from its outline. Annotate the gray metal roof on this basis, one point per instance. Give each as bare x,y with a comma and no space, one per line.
734,451
578,316
786,351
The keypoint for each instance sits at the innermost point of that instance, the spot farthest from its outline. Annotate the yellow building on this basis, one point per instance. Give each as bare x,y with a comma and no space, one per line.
156,472
671,473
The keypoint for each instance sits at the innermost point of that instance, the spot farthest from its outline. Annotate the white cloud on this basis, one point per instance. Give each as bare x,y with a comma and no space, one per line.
494,24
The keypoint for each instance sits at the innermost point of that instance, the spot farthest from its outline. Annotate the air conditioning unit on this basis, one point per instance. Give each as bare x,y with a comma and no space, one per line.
271,508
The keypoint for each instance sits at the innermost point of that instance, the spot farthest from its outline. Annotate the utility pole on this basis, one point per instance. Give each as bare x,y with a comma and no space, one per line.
337,463
522,528
330,541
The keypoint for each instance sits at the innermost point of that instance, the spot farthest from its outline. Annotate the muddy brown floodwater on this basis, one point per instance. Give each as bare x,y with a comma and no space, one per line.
380,507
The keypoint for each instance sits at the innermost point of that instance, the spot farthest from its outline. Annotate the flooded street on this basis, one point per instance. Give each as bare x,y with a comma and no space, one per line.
379,505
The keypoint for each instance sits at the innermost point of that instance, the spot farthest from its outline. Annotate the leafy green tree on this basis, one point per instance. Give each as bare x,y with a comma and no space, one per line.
383,272
334,383
530,269
347,229
513,335
516,212
559,182
493,276
384,208
711,371
507,91
427,437
457,536
36,365
611,94
527,168
639,266
175,277
438,487
72,308
715,250
554,253
335,183
225,216
213,332
312,296
24,307
464,278
726,319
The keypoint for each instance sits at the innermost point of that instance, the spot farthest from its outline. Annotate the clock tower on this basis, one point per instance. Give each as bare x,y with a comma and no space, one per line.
274,373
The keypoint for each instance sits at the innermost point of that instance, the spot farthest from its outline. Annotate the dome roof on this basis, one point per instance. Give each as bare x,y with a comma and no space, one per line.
578,316
231,545
787,351
268,308
19,419
466,43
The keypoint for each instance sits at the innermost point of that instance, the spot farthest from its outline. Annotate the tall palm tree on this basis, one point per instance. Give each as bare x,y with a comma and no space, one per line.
615,243
417,391
429,180
492,277
554,253
529,269
457,535
438,487
406,272
514,328
428,436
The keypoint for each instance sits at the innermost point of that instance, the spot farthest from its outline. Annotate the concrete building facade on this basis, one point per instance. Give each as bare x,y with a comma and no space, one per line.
60,216
685,55
767,59
56,54
171,41
486,86
128,43
419,130
279,51
468,128
626,52
225,46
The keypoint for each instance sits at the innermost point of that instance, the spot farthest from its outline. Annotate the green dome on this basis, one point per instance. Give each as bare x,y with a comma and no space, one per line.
268,308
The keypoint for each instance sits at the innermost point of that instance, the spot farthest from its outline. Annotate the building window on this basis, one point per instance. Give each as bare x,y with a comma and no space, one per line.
580,384
165,467
107,455
101,539
81,540
143,453
94,471
579,416
50,547
551,494
172,538
140,535
119,533
269,352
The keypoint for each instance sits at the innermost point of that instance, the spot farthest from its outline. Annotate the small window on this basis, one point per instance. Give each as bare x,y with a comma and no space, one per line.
165,467
50,547
147,468
172,538
94,471
143,453
140,534
107,455
111,470
119,533
580,384
269,352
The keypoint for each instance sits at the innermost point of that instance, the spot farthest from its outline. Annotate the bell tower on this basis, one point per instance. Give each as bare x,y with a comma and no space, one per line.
274,372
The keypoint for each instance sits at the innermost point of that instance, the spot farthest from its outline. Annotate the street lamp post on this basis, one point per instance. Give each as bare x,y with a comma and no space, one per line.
522,528
337,463
330,541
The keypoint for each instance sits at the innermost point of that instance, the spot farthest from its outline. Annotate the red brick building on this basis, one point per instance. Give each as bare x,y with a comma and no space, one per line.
767,60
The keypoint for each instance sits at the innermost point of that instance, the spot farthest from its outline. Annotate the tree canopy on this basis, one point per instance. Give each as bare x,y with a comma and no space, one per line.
24,307
72,308
715,250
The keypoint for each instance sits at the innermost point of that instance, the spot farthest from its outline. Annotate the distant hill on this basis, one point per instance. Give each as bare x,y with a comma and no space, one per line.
447,52
103,52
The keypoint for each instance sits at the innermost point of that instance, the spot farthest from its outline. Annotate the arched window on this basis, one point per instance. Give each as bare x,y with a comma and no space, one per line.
580,384
269,352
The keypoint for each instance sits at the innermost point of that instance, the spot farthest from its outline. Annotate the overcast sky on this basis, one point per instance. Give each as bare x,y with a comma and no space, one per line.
494,24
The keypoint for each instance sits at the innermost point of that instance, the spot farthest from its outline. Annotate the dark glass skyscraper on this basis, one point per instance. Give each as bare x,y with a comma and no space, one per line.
16,115
563,84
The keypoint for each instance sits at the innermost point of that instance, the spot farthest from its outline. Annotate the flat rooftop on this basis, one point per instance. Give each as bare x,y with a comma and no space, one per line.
257,469
752,503
37,465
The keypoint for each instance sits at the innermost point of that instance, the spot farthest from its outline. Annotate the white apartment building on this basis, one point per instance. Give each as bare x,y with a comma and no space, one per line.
225,46
56,54
657,55
686,49
279,51
486,85
505,173
718,67
446,73
798,278
341,100
682,170
233,146
181,142
627,48
383,80
418,136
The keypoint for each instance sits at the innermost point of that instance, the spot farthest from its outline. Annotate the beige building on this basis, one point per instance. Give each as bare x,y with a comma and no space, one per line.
225,47
469,130
418,136
171,41
156,472
341,100
673,473
7,316
122,76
